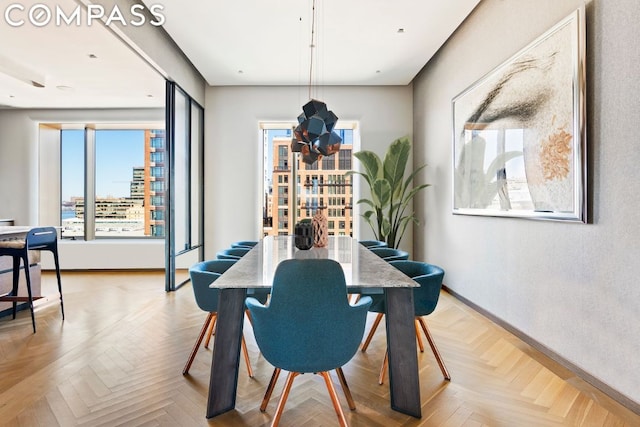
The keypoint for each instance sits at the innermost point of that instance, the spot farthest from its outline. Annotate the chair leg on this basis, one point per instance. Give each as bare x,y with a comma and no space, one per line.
245,352
334,398
57,263
283,398
16,281
270,387
192,356
27,275
345,389
373,329
212,328
418,337
383,369
436,353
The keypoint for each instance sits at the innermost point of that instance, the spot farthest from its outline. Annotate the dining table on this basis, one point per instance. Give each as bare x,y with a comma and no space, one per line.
364,271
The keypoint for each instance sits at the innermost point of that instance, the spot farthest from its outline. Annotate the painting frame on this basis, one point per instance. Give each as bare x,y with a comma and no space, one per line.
519,132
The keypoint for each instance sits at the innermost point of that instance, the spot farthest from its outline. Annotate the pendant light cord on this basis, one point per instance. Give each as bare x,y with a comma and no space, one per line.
312,44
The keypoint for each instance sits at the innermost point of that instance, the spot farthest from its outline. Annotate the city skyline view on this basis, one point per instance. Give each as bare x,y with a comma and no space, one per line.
117,153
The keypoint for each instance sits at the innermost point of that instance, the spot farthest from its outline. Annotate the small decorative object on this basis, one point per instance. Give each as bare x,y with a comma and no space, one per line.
320,229
304,234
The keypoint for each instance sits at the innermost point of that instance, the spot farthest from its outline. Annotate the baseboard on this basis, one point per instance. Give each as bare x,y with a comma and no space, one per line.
581,373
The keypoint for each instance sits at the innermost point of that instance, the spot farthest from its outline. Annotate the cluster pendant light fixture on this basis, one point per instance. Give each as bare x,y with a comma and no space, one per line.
314,136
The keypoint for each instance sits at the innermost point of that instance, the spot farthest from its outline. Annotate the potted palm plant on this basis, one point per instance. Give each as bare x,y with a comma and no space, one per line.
391,192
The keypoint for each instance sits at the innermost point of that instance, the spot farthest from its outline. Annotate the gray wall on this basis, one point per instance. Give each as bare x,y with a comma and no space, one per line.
571,287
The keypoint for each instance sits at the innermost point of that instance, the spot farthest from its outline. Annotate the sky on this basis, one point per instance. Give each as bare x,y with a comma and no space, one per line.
117,152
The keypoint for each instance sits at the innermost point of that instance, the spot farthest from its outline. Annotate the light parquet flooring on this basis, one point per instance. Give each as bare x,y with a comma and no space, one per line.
117,360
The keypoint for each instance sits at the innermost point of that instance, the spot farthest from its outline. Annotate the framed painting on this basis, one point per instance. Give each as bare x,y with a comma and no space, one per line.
519,132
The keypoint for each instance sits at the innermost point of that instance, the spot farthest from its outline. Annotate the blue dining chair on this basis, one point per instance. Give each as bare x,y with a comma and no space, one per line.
390,254
202,275
308,326
373,244
425,300
37,239
244,244
232,253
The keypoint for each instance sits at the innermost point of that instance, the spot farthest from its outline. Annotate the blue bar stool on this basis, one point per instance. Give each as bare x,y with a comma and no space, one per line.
37,239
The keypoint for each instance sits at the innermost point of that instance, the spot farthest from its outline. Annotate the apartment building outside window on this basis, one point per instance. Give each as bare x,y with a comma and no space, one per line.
315,183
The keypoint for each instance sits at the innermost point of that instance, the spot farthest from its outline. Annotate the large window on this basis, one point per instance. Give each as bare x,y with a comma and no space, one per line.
314,182
120,173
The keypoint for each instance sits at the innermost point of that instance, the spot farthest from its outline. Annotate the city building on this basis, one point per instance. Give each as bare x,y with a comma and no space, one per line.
154,183
321,185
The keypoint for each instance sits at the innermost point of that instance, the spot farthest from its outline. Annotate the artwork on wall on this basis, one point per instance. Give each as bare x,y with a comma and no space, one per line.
519,132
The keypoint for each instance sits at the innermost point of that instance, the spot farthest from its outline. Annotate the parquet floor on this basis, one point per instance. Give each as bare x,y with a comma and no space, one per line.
117,360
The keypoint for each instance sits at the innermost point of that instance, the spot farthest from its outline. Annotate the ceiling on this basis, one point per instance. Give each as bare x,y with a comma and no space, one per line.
250,42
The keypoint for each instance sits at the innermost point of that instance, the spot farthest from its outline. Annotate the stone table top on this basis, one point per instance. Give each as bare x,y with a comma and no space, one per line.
362,268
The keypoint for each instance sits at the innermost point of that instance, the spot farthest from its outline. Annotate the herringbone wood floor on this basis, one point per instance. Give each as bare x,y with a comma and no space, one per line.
117,360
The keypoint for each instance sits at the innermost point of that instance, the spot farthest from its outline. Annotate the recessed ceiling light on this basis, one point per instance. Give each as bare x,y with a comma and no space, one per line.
11,96
65,88
149,96
92,56
400,30
377,71
240,71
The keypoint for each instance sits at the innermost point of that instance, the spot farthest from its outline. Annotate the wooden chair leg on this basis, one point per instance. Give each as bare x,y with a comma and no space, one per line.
245,352
436,353
283,398
192,356
212,330
334,398
383,370
270,387
373,329
345,389
418,337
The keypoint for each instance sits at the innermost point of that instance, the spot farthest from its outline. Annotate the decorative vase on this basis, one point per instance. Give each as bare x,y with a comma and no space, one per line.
320,229
303,235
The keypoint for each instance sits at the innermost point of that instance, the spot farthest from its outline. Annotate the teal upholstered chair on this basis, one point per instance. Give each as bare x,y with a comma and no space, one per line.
308,326
425,300
244,244
390,254
232,253
202,275
373,244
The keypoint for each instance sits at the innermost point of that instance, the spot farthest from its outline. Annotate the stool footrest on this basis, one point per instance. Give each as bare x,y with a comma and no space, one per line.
11,298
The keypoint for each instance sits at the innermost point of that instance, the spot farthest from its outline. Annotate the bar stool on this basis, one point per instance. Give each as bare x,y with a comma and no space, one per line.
37,239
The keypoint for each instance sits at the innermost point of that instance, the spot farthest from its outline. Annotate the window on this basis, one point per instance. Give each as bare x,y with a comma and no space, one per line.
312,183
72,182
127,196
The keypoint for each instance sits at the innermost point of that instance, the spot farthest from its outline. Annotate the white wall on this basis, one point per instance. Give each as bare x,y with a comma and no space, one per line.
571,287
233,146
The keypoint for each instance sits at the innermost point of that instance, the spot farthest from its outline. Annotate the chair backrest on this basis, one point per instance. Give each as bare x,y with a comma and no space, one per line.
232,253
244,244
429,276
202,275
373,244
390,254
309,325
42,238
